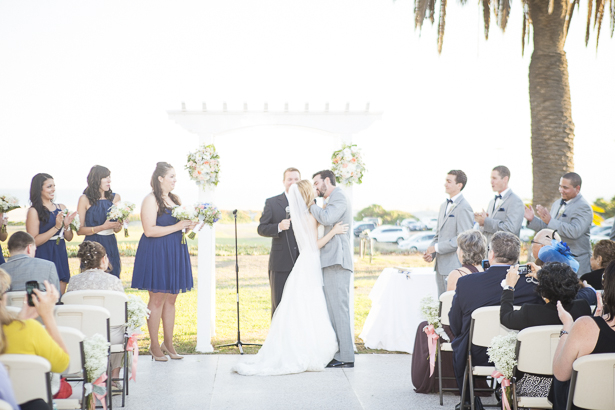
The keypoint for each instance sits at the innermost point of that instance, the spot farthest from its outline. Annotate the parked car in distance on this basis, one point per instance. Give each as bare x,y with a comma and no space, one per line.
602,230
418,243
526,234
431,223
390,233
361,226
415,226
375,220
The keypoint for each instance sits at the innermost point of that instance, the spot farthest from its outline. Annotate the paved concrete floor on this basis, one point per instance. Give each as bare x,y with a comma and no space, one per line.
206,382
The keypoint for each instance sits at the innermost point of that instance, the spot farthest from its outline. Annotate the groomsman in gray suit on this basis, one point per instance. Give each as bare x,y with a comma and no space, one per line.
337,264
505,211
455,216
571,216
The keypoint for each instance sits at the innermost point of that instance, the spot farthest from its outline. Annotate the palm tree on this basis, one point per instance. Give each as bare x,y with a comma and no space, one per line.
552,125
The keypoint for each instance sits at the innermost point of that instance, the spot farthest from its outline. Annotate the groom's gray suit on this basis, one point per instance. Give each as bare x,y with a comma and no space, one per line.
337,266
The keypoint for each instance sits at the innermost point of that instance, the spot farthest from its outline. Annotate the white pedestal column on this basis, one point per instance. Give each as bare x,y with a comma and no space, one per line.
206,302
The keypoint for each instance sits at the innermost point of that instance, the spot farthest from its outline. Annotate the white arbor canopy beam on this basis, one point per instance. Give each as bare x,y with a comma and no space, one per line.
208,124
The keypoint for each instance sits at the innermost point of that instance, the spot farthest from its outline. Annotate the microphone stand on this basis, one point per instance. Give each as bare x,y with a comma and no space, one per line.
239,343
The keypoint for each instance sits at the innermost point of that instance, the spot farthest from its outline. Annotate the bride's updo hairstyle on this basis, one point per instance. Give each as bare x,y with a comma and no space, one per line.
162,169
91,254
307,192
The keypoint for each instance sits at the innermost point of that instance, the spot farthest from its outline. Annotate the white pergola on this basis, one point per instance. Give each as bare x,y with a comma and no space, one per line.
209,124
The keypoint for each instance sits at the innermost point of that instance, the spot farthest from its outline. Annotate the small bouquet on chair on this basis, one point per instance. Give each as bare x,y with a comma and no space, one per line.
207,214
96,349
74,225
138,313
120,212
434,330
7,204
183,213
502,354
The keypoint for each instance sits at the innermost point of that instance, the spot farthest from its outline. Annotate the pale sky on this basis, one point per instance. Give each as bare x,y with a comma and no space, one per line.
89,82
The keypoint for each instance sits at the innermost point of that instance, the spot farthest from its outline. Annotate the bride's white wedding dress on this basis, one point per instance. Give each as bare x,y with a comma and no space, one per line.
301,337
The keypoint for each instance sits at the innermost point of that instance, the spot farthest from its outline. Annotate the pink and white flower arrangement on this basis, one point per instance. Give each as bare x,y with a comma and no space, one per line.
183,213
207,214
7,204
120,212
347,165
203,166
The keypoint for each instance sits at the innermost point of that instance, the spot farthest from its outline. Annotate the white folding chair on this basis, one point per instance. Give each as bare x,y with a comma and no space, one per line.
15,298
5,406
446,301
73,339
29,375
117,304
13,309
90,320
593,382
535,351
484,327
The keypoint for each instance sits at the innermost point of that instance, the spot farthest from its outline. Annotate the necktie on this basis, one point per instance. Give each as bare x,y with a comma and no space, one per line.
495,202
562,203
449,203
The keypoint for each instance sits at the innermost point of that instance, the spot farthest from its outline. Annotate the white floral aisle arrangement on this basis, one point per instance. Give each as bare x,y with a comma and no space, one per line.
120,212
502,354
430,310
183,213
207,214
203,166
96,350
138,313
7,204
74,225
347,165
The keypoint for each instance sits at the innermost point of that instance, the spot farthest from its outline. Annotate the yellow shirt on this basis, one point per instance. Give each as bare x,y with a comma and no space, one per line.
30,337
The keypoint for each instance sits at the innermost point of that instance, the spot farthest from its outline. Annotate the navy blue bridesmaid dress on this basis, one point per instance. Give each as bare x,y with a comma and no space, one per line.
52,252
162,265
96,215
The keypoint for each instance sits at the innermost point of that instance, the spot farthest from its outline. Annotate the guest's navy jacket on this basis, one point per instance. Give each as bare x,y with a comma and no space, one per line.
475,291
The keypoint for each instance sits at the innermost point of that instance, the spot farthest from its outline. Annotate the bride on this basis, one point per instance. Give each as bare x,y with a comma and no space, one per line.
301,337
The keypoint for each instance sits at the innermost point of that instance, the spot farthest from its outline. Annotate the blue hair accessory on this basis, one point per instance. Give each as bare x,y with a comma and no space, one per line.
558,252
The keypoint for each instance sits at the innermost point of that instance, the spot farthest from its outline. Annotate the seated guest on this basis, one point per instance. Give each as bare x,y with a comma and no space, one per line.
604,253
24,335
485,289
471,246
95,261
556,282
586,335
22,266
543,238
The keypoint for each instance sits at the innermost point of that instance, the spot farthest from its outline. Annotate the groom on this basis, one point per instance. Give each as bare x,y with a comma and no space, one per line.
337,264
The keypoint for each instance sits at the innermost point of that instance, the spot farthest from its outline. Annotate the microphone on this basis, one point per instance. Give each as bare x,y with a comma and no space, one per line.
288,212
235,212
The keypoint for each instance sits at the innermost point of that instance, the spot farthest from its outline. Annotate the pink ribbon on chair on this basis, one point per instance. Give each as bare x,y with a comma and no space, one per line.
505,383
432,338
133,347
101,382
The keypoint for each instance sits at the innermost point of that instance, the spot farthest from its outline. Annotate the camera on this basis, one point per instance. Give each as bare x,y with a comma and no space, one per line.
485,264
524,269
30,286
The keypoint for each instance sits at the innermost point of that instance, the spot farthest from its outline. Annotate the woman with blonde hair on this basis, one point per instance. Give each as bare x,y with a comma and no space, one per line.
301,337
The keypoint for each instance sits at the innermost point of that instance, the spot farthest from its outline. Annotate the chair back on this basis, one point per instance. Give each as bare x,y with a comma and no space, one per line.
446,301
536,348
73,339
485,326
5,405
29,376
87,319
15,298
593,382
115,302
12,309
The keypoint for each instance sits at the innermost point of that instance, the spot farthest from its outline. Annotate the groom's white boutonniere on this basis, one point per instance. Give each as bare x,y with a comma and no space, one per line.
453,205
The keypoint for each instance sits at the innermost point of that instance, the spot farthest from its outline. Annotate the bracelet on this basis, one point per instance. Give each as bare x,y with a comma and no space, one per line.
93,233
58,228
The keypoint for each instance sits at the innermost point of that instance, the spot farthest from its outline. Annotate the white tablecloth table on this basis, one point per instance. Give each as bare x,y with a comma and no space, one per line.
395,313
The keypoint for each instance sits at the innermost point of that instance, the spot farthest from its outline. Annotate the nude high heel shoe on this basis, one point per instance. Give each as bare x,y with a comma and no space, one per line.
158,358
173,356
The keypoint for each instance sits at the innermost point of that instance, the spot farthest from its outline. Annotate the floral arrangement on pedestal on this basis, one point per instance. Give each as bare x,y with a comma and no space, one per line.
203,166
430,309
96,349
7,203
347,165
502,354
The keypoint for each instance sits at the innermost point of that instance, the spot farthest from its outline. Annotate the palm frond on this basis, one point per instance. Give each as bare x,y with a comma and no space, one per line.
496,9
599,17
589,18
504,14
487,16
420,7
526,25
612,17
441,23
599,5
432,10
551,4
569,14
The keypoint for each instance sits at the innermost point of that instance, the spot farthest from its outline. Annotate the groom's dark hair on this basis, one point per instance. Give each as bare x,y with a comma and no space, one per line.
326,174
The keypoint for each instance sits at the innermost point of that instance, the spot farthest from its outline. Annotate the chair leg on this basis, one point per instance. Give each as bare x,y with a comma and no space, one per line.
124,378
463,388
514,393
573,385
471,382
439,358
109,397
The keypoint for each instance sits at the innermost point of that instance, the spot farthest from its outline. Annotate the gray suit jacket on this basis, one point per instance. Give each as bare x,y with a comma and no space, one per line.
508,217
460,219
339,250
573,226
22,268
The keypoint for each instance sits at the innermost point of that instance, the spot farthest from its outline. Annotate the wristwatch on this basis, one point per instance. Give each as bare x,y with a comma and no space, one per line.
563,332
508,287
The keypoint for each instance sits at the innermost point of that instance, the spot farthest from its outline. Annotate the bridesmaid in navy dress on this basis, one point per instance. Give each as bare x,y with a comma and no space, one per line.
162,264
44,222
93,206
3,235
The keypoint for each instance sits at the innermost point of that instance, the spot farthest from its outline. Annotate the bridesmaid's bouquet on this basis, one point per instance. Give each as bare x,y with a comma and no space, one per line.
120,212
207,214
184,212
74,225
7,204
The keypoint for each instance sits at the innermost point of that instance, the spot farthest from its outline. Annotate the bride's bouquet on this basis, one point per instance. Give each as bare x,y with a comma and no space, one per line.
74,225
120,212
203,166
7,204
184,212
207,214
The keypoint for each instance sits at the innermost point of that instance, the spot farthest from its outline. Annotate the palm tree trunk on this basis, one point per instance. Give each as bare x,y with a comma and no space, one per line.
552,126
